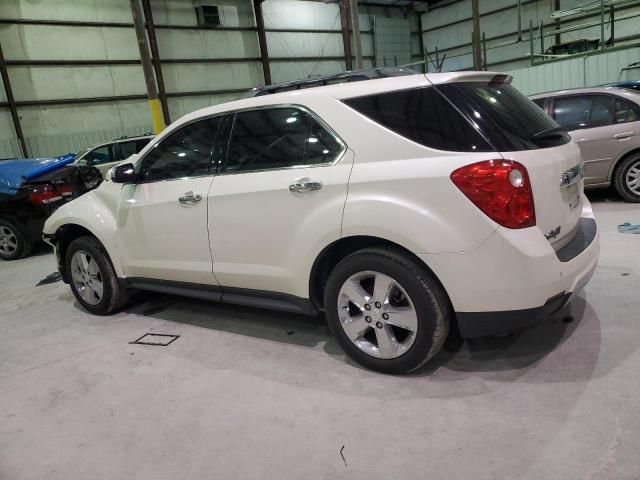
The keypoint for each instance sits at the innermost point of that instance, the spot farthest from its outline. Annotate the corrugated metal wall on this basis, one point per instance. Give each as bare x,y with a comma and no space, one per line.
57,129
577,72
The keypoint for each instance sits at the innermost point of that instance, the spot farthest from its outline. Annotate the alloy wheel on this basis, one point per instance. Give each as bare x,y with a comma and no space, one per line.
8,241
632,178
377,314
86,277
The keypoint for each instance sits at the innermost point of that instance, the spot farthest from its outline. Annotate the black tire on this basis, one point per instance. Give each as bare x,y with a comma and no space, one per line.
620,178
114,296
23,245
429,300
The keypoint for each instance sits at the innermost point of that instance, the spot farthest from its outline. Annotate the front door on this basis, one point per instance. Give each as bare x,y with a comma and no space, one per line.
163,217
278,200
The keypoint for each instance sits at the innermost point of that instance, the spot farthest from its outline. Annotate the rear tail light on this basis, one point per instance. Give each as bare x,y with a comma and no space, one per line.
65,190
501,189
41,194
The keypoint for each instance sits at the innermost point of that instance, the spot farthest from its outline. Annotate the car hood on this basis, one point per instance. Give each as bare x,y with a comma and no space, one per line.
13,173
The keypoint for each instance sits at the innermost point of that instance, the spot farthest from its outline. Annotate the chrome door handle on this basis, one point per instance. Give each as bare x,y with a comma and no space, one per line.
305,186
623,135
190,198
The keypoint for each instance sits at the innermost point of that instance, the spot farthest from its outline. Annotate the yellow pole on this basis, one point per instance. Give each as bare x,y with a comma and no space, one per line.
157,120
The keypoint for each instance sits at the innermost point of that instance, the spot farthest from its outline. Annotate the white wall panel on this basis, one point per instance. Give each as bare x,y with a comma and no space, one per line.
199,77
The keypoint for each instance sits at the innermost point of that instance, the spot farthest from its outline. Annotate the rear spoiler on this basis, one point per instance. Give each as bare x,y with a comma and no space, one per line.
484,77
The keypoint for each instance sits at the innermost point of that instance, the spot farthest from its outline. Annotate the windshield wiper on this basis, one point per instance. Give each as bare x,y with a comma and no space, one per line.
550,132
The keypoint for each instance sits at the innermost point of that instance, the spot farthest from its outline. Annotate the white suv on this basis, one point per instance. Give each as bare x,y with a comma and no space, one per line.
397,206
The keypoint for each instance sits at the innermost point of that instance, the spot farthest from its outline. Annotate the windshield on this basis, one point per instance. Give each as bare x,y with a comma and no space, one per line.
80,155
519,121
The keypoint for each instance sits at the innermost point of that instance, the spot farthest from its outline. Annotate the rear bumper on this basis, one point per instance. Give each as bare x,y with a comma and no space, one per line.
483,324
515,279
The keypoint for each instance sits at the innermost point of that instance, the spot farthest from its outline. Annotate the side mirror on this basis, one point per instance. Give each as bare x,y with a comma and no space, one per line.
125,173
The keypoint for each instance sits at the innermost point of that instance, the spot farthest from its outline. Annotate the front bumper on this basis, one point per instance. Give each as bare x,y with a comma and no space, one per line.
515,279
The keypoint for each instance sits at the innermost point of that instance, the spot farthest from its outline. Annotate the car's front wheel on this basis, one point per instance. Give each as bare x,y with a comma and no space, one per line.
386,311
92,277
627,178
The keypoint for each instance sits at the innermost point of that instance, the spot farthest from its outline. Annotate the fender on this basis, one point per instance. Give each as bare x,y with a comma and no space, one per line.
94,211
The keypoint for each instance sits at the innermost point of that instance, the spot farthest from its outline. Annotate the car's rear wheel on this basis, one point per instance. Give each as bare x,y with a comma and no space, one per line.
627,178
13,243
92,277
386,311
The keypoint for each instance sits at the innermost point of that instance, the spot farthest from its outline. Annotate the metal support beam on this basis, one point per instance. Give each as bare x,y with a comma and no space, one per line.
262,41
421,41
346,41
602,24
558,25
484,51
147,68
155,57
475,35
12,106
531,42
355,27
612,23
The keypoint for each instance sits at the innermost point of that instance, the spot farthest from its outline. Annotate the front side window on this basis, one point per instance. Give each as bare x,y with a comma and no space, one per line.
626,111
184,153
274,138
424,116
582,111
99,155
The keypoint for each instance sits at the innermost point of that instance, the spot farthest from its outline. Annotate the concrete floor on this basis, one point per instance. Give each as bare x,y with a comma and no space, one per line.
249,394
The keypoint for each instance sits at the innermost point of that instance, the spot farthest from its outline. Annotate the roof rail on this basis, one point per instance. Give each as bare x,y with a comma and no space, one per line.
342,77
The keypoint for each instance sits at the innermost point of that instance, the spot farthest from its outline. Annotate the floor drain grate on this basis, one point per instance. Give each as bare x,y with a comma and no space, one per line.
157,339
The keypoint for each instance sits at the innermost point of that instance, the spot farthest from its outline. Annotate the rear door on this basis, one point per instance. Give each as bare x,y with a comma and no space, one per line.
277,200
590,121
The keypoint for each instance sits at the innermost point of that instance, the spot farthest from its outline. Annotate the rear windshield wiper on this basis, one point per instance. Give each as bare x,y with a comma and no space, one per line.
549,133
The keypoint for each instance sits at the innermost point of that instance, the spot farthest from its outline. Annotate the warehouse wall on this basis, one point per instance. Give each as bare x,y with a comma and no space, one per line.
449,29
585,71
105,61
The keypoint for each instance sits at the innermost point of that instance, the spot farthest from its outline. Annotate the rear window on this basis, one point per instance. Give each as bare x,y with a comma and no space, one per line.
504,115
424,116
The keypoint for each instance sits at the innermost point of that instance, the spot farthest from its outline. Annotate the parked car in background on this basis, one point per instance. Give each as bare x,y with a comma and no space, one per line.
629,84
397,206
25,206
108,154
605,123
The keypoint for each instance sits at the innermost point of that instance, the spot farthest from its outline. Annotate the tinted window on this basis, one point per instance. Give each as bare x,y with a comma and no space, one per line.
424,116
277,138
99,156
582,111
185,153
539,102
140,144
126,149
626,111
504,115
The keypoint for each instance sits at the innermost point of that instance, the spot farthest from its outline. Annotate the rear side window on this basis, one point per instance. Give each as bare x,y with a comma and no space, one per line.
126,149
539,102
424,116
626,111
504,115
583,111
274,138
